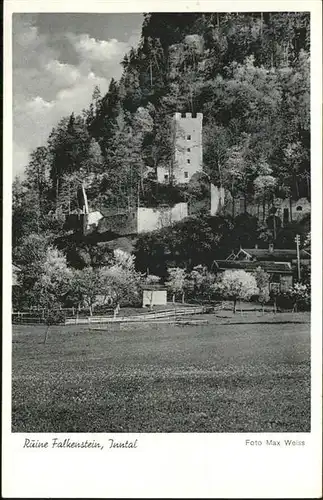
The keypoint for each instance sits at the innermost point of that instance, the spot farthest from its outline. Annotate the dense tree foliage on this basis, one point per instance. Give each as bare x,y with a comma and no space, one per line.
236,285
203,239
248,73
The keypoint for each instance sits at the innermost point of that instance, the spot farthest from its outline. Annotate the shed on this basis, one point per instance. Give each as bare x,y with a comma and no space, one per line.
154,295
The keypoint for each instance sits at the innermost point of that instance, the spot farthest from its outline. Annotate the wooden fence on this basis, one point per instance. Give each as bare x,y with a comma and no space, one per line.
38,315
76,317
151,316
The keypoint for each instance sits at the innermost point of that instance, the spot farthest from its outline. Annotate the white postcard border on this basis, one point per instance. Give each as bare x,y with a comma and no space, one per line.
168,465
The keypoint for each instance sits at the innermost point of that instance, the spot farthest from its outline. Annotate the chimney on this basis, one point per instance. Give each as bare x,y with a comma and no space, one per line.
271,247
256,246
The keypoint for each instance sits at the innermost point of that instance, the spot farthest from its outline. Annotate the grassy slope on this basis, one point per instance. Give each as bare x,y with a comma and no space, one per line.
232,375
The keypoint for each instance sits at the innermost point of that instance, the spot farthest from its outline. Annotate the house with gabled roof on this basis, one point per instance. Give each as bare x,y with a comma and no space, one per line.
280,273
278,263
270,254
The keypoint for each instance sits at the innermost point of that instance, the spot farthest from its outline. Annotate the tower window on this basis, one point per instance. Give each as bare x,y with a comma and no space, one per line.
166,177
188,150
188,137
186,175
299,208
188,160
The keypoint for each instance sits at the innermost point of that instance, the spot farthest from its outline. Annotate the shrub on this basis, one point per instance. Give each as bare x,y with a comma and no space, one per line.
283,300
55,317
300,296
297,297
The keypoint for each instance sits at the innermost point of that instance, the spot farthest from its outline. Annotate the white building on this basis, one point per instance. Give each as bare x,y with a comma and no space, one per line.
154,295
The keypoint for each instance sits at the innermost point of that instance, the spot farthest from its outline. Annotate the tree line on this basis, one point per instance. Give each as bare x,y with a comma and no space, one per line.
48,283
249,75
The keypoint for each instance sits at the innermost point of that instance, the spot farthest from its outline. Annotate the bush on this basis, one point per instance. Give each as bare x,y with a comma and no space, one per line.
55,317
301,296
298,298
284,301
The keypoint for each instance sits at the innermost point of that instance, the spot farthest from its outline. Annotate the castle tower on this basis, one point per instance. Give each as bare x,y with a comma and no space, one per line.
188,154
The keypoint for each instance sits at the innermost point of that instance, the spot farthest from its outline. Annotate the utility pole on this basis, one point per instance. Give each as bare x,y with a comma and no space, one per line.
274,226
274,219
297,240
151,74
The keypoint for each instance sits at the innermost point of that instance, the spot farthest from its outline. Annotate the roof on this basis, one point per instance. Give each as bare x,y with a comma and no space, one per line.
272,267
154,287
278,254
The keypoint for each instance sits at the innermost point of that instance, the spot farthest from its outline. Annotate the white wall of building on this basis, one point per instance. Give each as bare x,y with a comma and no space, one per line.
179,212
151,219
163,175
154,297
217,199
300,208
93,218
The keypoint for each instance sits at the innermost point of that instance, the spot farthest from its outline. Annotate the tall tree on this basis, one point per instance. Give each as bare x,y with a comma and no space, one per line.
237,285
177,282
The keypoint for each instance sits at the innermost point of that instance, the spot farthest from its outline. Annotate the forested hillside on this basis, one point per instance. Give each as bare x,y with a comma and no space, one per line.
249,74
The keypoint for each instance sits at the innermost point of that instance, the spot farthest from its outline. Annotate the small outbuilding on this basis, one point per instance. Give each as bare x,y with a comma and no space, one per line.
154,295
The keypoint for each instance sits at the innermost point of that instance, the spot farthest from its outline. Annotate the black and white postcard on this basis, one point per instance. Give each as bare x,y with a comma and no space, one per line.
162,249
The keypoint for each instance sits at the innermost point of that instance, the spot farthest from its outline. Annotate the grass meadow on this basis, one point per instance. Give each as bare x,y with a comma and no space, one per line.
238,373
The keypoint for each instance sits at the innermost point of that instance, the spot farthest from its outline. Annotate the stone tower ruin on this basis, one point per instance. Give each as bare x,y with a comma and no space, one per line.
188,151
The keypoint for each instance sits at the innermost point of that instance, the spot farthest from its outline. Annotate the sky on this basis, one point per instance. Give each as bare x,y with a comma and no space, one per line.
58,59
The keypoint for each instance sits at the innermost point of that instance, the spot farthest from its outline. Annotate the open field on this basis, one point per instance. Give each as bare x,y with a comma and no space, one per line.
247,373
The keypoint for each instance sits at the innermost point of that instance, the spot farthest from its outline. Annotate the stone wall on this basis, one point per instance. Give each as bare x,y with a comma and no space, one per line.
300,208
151,219
120,224
188,151
217,199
